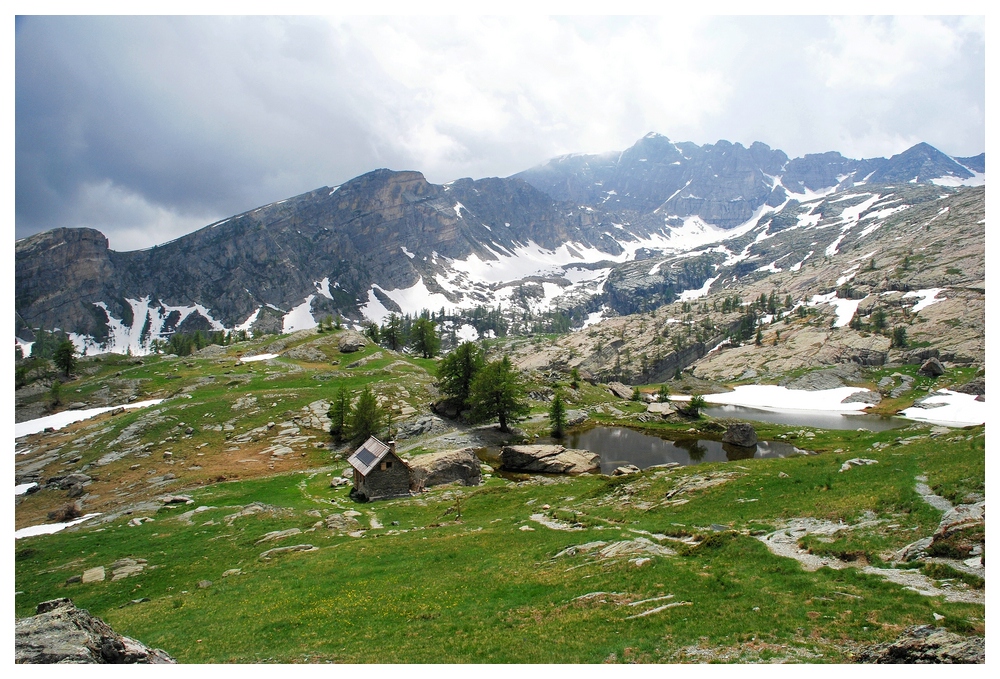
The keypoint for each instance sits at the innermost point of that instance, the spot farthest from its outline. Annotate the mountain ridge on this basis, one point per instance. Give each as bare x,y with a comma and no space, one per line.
378,242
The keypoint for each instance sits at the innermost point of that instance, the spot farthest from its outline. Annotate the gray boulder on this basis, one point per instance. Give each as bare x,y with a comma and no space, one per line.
740,434
976,387
351,341
625,470
434,469
866,396
550,459
932,368
620,390
661,409
62,633
924,644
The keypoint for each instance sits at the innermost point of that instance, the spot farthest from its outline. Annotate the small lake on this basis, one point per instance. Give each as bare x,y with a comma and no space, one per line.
619,446
808,418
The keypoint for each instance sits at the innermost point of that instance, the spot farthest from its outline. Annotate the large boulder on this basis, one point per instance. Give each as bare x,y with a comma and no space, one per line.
927,645
620,390
351,341
932,368
740,434
62,633
550,459
434,469
661,409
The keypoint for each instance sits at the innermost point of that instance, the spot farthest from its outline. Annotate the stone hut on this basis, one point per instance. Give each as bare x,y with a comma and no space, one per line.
378,472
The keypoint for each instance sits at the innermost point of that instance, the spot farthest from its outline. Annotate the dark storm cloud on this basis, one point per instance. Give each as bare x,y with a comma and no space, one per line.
149,127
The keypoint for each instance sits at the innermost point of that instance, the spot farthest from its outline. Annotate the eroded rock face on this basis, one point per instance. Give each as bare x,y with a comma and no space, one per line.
549,459
740,434
924,644
62,633
434,469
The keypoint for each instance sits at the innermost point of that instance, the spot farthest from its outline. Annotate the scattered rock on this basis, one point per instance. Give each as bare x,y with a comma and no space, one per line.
551,459
176,500
856,462
338,481
782,475
62,633
342,523
284,550
232,571
278,535
624,470
74,579
575,417
661,409
204,584
932,368
740,434
434,469
924,644
914,550
124,568
93,575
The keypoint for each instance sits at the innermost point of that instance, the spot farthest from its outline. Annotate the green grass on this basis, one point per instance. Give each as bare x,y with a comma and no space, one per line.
482,590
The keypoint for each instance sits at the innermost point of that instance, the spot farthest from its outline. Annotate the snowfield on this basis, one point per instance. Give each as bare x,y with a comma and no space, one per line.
951,409
773,397
60,420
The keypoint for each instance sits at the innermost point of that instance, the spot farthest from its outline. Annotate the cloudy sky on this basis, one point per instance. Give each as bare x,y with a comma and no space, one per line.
147,128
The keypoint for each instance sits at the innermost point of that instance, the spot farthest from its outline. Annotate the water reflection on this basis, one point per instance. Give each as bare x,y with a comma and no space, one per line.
807,418
619,446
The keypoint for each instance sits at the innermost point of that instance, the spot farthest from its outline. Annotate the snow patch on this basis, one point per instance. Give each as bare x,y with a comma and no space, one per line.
958,410
48,528
846,308
688,295
467,333
60,420
323,287
257,357
927,297
773,397
299,318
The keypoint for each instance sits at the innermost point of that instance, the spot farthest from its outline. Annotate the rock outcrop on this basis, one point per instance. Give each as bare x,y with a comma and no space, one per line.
549,459
924,644
60,632
434,469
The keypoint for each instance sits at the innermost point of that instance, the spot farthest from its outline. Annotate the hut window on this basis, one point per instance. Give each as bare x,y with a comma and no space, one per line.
386,465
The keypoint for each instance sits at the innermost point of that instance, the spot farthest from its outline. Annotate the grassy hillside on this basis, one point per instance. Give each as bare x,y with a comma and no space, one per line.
479,574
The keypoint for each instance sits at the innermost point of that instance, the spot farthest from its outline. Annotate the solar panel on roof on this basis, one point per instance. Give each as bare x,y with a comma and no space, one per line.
365,456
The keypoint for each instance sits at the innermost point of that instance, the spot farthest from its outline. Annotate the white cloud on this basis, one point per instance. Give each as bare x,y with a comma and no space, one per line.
176,119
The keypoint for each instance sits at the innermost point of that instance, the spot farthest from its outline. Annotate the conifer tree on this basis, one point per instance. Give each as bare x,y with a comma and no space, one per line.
367,418
497,392
339,411
458,369
65,356
557,416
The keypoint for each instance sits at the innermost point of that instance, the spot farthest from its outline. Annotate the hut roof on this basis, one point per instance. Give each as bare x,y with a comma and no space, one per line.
368,455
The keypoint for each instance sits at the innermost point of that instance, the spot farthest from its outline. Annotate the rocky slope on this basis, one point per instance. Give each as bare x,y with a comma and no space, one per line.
844,271
569,235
